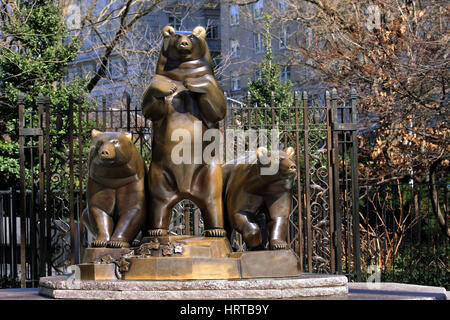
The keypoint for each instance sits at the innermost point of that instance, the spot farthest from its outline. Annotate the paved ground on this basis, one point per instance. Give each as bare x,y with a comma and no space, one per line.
357,291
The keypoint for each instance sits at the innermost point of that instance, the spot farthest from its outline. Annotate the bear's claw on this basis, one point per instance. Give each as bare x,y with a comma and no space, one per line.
99,243
215,233
278,245
157,232
118,244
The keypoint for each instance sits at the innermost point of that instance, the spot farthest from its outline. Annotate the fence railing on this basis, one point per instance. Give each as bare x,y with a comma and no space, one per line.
400,236
331,223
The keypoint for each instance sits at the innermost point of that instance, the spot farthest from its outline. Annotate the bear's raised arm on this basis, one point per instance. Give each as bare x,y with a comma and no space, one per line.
212,101
185,61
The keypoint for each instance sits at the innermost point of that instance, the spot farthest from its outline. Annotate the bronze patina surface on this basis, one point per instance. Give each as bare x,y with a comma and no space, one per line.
267,263
89,271
189,258
181,258
92,255
116,204
184,94
248,195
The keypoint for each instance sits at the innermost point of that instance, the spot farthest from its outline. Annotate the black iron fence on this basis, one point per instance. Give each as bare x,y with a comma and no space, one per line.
401,238
334,222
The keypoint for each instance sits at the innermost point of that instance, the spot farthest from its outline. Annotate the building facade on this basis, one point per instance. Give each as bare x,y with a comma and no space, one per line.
242,37
133,60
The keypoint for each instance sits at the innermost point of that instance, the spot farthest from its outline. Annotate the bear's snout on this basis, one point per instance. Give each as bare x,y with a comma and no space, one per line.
184,44
107,152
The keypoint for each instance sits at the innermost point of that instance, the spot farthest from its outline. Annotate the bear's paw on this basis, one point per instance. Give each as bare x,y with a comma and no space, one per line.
215,233
118,244
278,245
99,243
157,232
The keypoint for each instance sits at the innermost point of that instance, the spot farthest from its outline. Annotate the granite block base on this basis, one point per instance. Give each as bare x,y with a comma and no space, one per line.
305,285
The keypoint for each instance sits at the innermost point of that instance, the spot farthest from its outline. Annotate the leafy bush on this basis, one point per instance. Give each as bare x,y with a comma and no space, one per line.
421,265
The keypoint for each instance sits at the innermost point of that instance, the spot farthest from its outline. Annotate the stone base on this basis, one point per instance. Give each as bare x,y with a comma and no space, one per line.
305,285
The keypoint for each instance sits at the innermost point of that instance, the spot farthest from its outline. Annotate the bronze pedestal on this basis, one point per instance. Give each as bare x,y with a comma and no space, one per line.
189,258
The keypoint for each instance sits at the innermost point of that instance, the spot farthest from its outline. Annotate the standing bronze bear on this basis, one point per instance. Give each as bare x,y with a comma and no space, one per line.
184,94
116,204
249,194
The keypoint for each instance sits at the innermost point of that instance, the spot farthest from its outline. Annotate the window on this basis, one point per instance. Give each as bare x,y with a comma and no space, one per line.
235,83
234,15
283,38
281,5
212,32
117,68
258,43
217,58
89,69
285,73
92,37
257,9
73,17
309,37
73,71
234,48
258,75
175,22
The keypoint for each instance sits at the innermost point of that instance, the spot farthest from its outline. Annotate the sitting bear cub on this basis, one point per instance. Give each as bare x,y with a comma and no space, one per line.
249,194
116,209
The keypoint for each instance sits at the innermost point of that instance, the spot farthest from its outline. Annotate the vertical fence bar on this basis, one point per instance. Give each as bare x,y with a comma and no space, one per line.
22,208
48,196
187,218
355,188
104,112
272,108
337,237
307,181
71,182
330,182
299,186
196,222
127,104
249,116
41,192
30,198
13,232
80,170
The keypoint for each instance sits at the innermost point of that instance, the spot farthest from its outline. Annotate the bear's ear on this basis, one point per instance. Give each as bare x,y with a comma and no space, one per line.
168,31
128,135
199,32
290,151
95,133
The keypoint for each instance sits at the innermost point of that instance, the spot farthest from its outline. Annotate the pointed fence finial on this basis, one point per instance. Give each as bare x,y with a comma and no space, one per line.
305,95
21,98
40,98
334,93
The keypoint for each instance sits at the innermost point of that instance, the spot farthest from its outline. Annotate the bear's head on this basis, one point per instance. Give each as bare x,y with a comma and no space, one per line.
184,46
111,149
279,164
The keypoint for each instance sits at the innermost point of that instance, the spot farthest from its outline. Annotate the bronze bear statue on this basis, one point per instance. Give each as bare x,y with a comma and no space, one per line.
184,94
116,204
248,194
